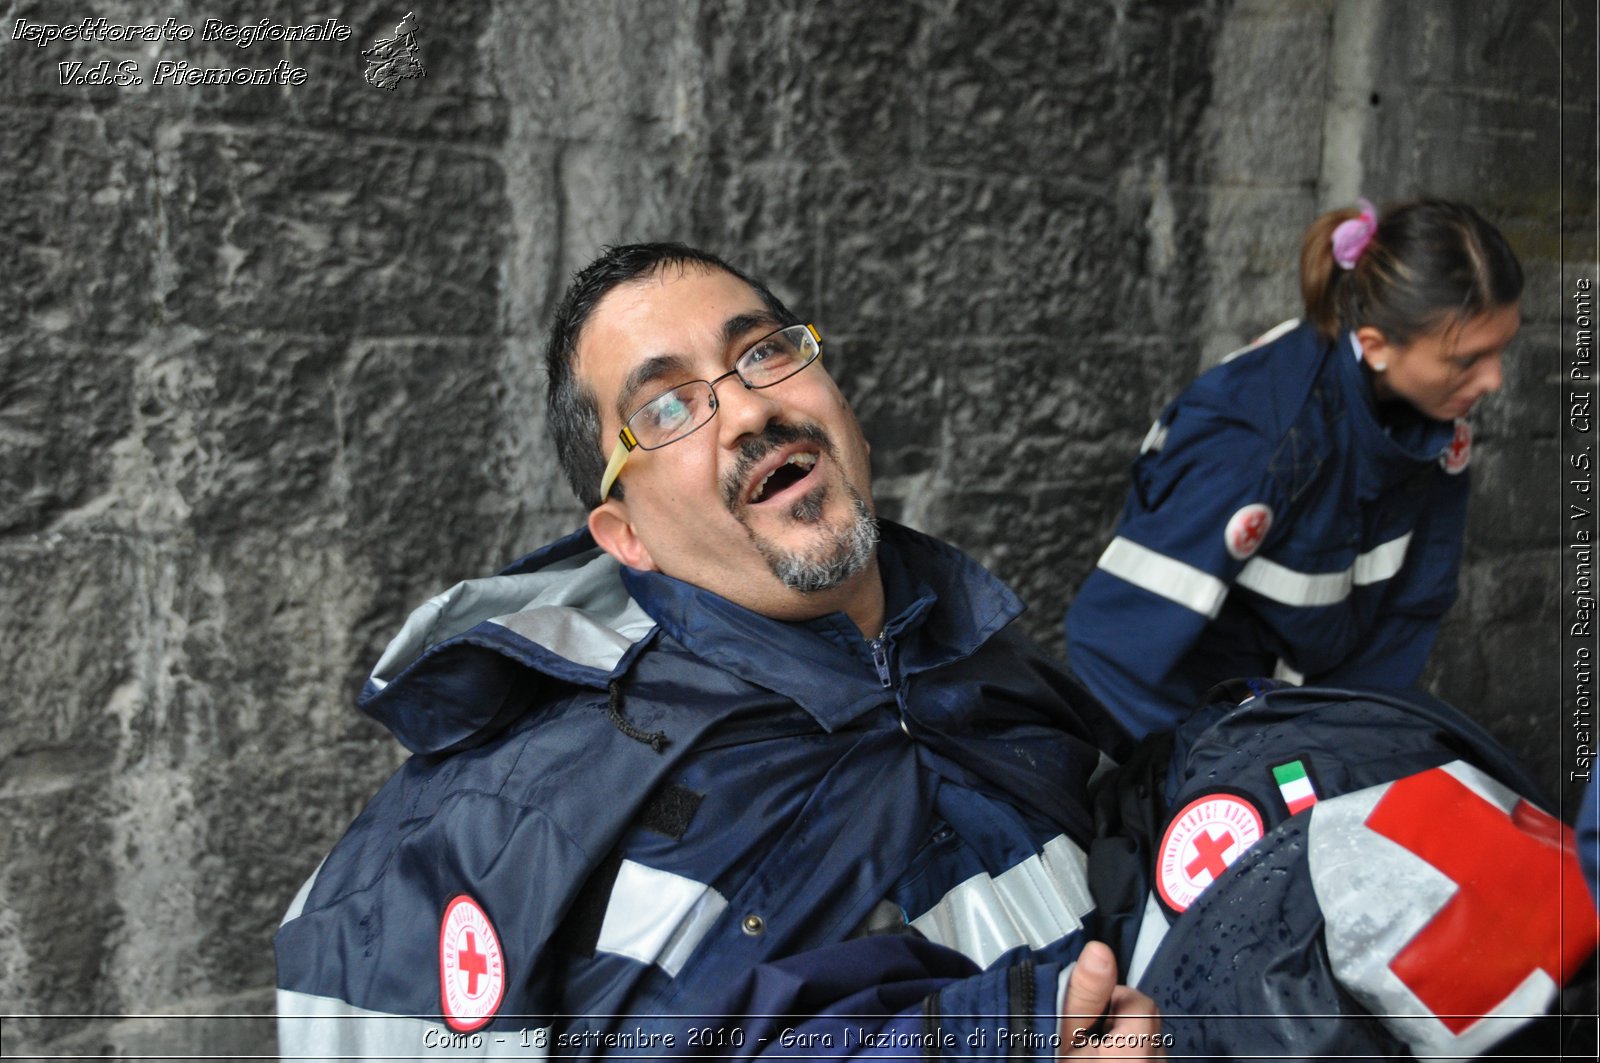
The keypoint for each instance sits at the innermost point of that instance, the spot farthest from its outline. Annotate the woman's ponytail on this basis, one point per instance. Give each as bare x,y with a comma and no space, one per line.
1320,274
1427,264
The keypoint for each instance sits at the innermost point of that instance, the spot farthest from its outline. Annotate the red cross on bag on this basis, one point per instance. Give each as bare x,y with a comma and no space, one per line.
1521,903
1453,908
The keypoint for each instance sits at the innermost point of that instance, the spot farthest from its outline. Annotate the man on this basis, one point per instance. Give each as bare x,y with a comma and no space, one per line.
744,779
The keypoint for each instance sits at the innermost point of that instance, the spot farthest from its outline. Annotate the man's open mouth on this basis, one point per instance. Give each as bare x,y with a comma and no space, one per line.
794,468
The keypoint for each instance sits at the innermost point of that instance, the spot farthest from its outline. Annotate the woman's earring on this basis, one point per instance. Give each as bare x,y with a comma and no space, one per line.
1378,367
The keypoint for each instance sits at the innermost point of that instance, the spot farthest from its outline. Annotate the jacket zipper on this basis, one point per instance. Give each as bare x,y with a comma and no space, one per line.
880,658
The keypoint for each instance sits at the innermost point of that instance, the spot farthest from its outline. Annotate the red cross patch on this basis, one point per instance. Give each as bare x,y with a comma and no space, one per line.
1246,529
472,971
1201,841
1521,904
1459,452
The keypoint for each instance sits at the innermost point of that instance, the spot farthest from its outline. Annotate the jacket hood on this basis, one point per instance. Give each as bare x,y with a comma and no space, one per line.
470,660
474,659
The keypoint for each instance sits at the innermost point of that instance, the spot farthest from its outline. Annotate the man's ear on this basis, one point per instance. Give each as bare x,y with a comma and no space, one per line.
1376,350
613,531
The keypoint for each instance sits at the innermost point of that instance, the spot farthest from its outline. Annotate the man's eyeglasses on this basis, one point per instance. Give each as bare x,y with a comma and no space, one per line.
677,413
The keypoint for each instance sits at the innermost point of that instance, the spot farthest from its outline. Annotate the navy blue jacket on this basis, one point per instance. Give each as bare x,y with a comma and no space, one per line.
636,807
1276,525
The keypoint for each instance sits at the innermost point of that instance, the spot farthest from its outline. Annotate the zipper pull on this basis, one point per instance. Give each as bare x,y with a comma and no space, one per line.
880,658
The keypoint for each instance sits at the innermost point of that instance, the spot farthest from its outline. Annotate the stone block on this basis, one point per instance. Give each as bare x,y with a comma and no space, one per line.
240,434
862,99
70,608
75,207
1269,91
266,650
767,221
1495,44
1547,295
1515,497
992,106
820,82
65,407
1027,256
419,421
271,232
1506,678
60,919
1462,144
872,236
1252,254
1017,425
1511,588
615,195
533,271
901,399
601,72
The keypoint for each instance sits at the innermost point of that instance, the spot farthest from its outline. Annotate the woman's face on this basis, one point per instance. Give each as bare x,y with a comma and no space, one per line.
1445,372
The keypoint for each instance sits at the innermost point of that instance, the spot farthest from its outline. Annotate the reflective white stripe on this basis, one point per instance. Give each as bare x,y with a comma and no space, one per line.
1037,902
1280,329
657,917
298,905
590,620
1159,574
1282,584
1153,927
1382,562
318,1028
1291,587
1288,673
1154,439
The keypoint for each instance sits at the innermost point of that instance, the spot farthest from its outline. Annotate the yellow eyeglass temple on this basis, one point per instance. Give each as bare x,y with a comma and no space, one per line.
619,457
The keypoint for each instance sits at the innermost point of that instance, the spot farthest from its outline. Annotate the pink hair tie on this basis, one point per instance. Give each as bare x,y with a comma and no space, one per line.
1350,238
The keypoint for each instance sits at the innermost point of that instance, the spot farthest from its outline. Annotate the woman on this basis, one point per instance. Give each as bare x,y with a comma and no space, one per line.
1298,511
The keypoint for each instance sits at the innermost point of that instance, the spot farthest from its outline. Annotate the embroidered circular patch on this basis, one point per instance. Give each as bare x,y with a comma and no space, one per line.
1201,841
1459,452
1246,529
472,971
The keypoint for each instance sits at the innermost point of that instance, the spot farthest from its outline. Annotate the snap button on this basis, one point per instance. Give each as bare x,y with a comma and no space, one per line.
753,925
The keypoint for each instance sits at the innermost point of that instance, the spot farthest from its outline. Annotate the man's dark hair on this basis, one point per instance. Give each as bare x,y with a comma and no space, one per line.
574,415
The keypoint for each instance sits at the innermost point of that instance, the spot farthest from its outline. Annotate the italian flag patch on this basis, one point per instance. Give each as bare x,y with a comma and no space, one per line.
1295,785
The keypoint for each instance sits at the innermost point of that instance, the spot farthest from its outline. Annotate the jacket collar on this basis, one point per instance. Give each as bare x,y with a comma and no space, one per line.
941,606
1390,453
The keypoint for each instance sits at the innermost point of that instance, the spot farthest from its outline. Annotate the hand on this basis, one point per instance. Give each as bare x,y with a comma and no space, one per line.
1132,1022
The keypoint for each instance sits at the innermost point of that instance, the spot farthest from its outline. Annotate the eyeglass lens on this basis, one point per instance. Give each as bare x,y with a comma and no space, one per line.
674,414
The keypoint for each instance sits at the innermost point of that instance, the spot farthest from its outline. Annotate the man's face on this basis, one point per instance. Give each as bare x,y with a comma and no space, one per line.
769,503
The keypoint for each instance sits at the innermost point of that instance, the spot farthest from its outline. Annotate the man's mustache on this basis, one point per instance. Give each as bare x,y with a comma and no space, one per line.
757,447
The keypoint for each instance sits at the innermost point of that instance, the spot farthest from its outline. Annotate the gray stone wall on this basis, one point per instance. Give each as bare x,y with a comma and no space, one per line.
251,408
268,367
